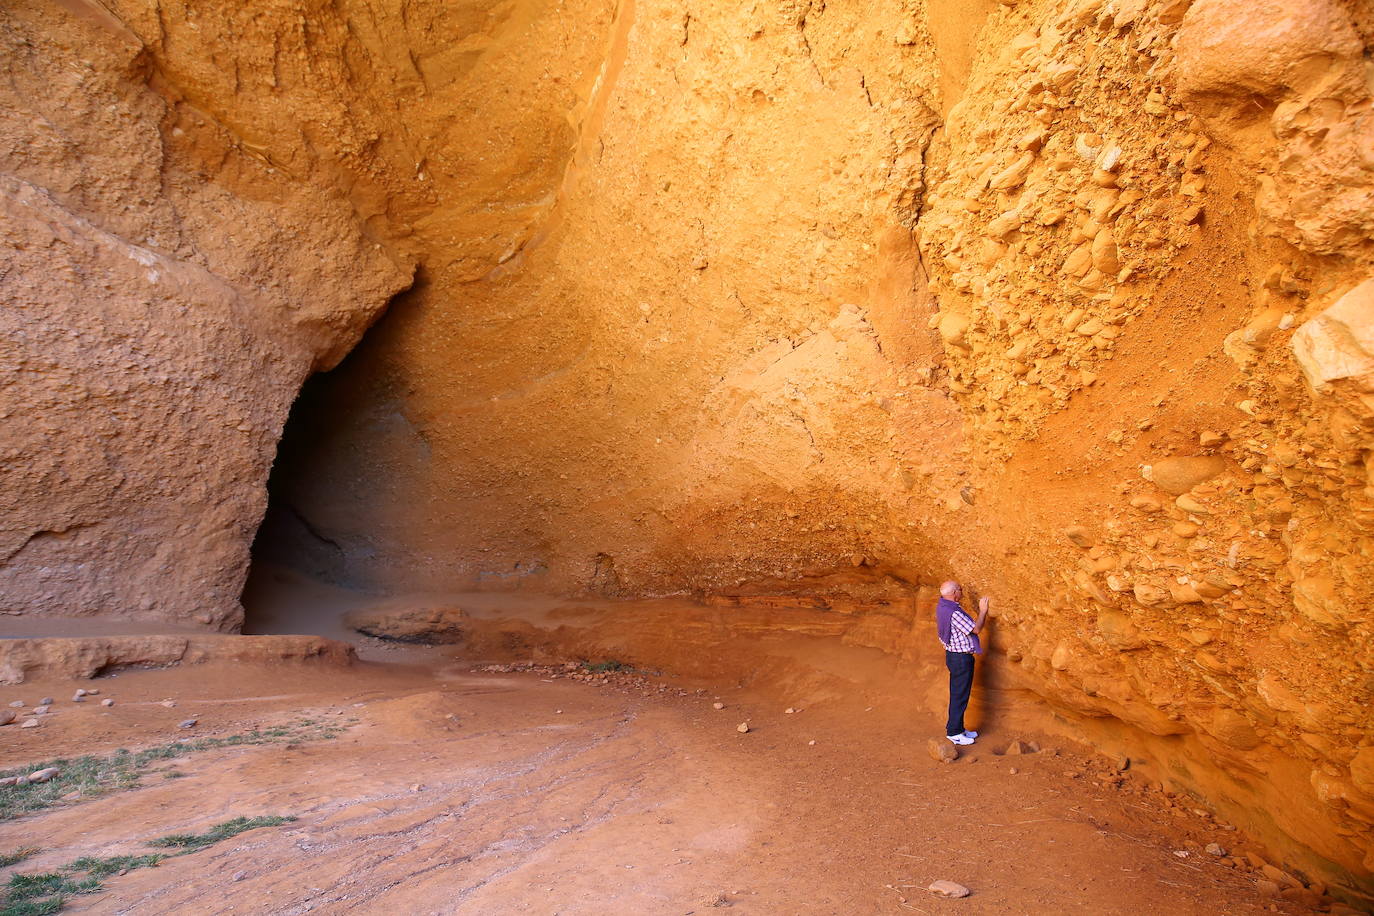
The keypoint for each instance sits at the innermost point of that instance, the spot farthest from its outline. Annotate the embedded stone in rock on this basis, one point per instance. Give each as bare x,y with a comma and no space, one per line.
1079,535
1178,475
1149,595
431,626
1339,342
1318,598
952,327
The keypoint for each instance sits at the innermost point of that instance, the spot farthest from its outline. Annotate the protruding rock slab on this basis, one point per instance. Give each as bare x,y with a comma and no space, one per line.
432,626
84,657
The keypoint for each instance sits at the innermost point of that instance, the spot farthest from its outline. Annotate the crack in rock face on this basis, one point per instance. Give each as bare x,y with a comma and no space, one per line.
786,310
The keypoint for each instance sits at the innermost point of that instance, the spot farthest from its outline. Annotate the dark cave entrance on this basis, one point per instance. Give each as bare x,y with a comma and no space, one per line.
304,558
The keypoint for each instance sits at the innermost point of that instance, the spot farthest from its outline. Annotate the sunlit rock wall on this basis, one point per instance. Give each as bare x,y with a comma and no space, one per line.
1068,300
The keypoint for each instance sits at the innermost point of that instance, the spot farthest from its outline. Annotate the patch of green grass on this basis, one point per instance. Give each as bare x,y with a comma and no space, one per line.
103,868
40,894
190,842
99,775
33,907
43,893
607,666
14,858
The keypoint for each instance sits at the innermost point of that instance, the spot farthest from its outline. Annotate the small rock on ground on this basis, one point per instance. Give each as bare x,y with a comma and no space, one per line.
942,751
30,723
107,702
17,704
44,774
948,889
187,723
8,716
46,701
742,728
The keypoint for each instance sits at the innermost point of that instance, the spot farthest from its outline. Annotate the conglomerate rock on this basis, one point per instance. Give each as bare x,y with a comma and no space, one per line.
784,298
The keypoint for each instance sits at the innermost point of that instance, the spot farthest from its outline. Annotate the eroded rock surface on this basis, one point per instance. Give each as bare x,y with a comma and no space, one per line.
780,299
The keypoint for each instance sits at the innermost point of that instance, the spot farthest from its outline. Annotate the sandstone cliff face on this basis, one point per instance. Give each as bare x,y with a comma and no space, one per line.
1066,299
165,292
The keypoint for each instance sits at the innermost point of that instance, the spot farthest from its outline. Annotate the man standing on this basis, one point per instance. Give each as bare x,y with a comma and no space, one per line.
959,634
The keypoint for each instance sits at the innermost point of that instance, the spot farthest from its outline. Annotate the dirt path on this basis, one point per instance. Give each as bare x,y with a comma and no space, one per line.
470,792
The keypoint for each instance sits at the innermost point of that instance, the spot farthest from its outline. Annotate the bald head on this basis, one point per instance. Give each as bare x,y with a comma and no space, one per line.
951,590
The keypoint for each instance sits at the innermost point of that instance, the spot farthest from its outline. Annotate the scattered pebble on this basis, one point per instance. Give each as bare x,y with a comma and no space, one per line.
1181,853
41,710
44,774
79,696
8,716
1215,849
93,692
558,712
811,743
17,704
948,888
80,692
171,704
107,702
30,723
742,728
789,710
46,701
187,723
1013,771
717,705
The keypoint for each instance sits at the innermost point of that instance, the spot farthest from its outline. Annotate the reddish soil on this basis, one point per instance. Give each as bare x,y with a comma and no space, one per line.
456,790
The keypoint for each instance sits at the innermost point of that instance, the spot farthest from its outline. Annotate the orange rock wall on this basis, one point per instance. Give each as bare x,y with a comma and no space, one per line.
1061,298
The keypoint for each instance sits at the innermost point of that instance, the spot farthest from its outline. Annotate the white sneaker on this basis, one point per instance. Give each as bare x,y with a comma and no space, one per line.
960,739
970,734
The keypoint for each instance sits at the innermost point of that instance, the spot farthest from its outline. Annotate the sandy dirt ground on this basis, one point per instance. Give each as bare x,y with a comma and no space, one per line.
454,789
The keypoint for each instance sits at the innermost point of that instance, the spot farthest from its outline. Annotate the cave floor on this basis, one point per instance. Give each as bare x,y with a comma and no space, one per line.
450,788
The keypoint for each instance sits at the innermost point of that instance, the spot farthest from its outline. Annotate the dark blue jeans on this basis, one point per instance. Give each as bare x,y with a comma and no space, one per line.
960,665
